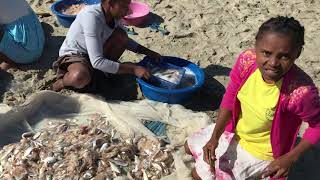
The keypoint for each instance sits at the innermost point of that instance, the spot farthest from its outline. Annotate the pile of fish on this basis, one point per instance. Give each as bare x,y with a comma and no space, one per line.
73,9
96,151
171,75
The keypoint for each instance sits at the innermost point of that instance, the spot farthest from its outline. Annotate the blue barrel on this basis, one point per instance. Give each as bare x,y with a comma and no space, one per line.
172,96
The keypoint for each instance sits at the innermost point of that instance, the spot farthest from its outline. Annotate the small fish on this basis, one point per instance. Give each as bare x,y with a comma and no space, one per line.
36,136
27,152
157,166
114,167
145,175
119,162
27,135
50,160
104,147
87,175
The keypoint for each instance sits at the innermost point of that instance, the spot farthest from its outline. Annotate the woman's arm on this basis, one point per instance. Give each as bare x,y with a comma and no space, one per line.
94,44
209,149
223,118
138,48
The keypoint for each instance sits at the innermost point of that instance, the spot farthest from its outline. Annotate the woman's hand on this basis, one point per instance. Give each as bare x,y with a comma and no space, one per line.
141,72
131,68
154,55
279,168
209,155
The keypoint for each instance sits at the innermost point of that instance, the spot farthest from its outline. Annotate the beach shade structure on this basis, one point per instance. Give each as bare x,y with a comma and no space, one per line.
179,94
138,14
66,20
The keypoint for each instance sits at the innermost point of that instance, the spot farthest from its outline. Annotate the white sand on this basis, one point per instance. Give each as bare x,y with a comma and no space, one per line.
208,32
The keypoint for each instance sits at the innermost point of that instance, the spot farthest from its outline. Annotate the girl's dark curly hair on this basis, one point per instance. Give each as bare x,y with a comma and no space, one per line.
284,25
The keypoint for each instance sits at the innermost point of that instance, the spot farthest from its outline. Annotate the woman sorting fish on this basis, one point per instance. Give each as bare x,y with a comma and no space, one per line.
93,46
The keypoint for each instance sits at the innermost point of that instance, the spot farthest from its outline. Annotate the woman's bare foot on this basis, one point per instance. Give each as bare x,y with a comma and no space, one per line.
58,85
6,66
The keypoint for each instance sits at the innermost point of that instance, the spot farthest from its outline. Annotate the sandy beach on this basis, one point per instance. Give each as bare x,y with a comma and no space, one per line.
210,33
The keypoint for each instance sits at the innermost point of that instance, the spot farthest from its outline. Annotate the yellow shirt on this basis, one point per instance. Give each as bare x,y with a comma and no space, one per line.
258,101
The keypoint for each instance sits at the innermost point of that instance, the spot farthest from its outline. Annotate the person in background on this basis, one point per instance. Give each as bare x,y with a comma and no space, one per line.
21,34
266,100
94,44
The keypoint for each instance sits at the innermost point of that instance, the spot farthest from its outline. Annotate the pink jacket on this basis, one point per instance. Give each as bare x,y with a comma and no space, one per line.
299,101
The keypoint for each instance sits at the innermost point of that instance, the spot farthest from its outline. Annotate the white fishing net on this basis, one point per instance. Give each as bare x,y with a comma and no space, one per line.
46,107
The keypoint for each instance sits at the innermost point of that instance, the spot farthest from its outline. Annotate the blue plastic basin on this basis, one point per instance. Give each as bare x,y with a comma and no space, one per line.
172,96
65,19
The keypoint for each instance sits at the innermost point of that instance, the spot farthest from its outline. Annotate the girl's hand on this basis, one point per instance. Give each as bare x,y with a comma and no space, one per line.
279,168
209,153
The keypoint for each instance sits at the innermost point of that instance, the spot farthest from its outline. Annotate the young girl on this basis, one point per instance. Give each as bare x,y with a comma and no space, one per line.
266,100
21,34
94,43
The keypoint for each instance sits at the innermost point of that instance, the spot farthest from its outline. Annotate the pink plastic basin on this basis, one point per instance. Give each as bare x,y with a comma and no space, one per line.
138,14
